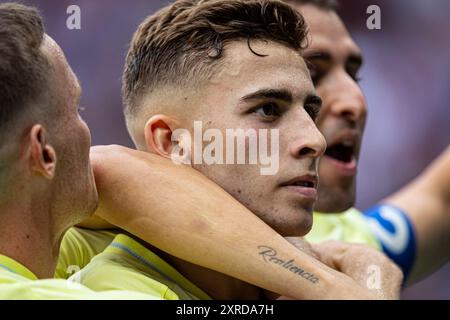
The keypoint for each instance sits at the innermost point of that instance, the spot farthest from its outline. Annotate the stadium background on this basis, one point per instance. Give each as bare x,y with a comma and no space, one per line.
406,80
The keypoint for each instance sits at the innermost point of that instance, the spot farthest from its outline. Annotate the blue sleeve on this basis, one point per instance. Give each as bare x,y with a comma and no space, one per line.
392,227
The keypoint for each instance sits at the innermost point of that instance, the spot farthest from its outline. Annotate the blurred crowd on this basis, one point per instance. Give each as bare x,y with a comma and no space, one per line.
406,79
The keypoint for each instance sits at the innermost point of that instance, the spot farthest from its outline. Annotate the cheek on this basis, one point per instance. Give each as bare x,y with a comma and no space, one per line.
80,143
326,90
86,131
323,115
243,182
252,190
326,125
85,136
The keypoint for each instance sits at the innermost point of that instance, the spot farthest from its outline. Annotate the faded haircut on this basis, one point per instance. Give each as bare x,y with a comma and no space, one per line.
184,42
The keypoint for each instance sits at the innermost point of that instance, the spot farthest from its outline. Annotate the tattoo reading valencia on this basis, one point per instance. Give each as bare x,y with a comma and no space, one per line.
270,256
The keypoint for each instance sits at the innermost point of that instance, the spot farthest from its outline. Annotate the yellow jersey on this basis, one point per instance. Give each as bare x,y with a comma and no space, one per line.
19,283
127,265
349,226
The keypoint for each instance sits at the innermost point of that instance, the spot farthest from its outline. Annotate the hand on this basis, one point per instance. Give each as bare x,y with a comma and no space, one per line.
369,268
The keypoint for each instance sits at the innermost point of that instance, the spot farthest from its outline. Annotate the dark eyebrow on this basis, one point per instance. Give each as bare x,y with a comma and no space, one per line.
355,58
312,58
317,56
279,94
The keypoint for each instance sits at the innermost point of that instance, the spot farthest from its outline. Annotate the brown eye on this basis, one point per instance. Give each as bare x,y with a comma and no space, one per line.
268,110
317,70
353,69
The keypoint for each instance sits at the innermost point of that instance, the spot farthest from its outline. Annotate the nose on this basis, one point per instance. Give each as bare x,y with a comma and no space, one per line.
310,142
349,102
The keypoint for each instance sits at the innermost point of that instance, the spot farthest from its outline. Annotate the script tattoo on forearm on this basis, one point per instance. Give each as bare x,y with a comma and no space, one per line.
270,256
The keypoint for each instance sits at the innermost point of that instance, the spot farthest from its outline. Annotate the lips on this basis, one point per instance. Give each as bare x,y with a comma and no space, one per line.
305,186
307,181
342,151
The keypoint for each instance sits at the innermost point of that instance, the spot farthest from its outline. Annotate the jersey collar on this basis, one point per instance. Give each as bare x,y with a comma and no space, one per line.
15,267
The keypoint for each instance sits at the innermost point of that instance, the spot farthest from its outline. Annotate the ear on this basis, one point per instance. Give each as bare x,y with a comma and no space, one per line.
42,155
158,135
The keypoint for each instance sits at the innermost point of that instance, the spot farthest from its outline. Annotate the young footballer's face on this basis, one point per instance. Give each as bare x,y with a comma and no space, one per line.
272,92
334,61
74,179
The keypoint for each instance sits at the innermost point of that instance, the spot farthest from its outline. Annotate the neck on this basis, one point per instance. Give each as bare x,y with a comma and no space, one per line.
217,285
26,235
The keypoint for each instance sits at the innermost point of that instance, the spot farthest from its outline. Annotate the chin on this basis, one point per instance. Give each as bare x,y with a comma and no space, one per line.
297,227
335,201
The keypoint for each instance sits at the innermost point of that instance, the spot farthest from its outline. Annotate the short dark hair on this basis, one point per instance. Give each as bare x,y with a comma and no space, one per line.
23,68
322,4
182,42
